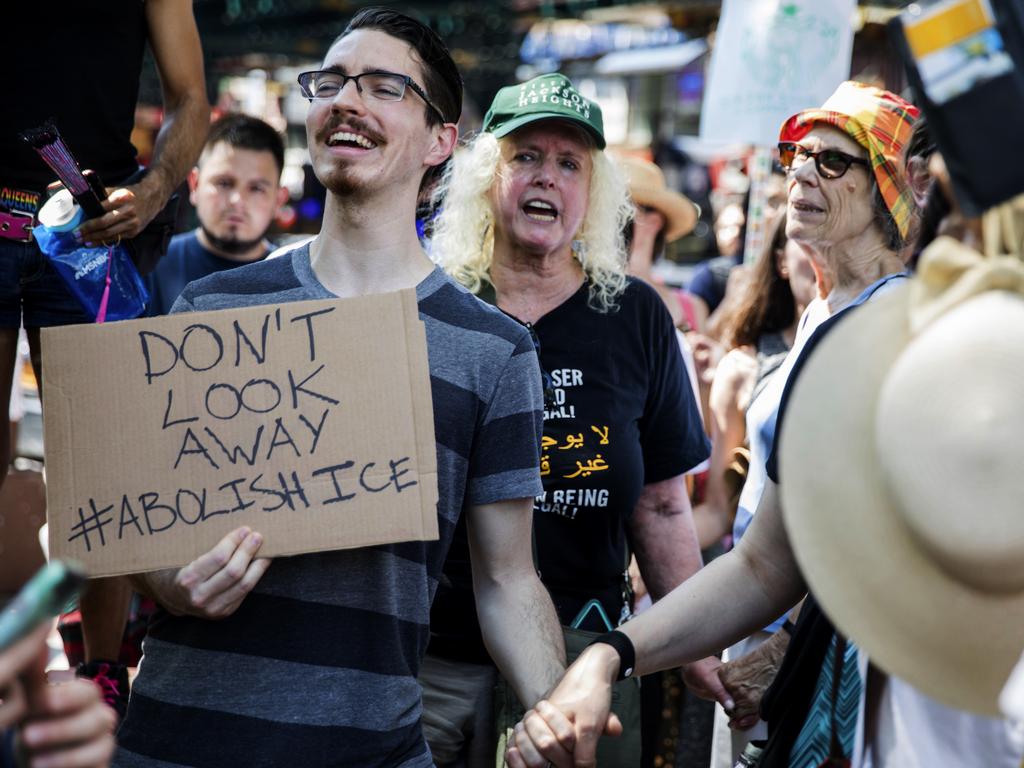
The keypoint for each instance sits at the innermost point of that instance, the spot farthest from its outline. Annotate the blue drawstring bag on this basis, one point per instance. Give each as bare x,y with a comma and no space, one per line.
103,278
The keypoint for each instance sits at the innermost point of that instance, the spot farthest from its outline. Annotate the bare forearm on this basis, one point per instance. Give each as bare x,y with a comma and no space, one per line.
667,551
521,631
730,598
178,143
712,523
664,537
179,58
105,604
711,610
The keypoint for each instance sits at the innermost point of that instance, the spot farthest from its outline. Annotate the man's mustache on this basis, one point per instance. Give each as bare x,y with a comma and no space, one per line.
351,124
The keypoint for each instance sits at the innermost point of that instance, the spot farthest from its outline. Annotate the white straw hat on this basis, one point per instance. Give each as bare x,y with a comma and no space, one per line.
902,460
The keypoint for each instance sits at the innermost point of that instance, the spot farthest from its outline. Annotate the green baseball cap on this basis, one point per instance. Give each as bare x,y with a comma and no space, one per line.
547,97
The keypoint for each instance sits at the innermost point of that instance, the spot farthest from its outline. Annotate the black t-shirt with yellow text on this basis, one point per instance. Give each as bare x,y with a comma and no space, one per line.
622,416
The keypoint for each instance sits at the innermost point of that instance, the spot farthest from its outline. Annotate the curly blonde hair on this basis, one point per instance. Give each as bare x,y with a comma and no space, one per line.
463,234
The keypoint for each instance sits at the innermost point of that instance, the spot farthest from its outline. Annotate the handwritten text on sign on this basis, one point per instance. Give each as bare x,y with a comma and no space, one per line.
300,420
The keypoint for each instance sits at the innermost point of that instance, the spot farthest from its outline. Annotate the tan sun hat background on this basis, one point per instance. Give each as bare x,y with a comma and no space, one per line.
647,187
902,467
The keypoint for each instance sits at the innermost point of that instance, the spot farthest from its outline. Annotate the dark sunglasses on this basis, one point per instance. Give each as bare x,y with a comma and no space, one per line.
831,163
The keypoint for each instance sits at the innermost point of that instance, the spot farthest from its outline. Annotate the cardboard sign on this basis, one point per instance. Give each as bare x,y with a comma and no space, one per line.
771,59
310,422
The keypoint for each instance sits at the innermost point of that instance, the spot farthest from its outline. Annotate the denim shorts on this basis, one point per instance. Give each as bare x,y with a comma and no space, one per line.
31,291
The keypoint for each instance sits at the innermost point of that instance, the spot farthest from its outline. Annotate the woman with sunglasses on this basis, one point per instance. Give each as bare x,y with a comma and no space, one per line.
850,207
532,222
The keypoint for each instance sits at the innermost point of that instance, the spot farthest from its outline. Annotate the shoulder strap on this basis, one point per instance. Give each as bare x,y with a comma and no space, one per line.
836,757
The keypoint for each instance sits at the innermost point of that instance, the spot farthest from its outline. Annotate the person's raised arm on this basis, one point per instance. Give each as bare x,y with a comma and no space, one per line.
179,60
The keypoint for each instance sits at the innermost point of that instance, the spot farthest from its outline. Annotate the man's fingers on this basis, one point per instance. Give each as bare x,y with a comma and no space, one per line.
544,739
703,677
205,566
587,734
234,571
227,602
614,726
720,693
528,751
559,724
113,227
254,573
121,219
513,759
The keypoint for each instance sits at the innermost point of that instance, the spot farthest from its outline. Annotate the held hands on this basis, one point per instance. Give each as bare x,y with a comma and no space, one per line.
129,210
213,585
749,676
703,678
563,729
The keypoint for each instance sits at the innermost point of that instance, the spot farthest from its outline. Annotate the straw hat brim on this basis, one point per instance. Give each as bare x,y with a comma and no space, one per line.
952,642
680,214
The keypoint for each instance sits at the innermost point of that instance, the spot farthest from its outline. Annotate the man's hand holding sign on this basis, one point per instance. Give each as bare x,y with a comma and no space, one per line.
213,585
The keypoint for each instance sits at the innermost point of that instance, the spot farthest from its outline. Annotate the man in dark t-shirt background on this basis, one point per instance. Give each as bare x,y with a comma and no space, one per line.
236,190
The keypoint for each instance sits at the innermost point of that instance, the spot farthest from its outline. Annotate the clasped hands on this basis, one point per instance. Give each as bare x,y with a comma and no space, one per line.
563,729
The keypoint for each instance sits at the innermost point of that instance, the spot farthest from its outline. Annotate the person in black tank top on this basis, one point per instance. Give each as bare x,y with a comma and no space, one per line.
79,63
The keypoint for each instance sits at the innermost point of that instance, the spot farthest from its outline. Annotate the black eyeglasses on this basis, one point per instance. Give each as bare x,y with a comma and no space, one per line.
380,85
831,163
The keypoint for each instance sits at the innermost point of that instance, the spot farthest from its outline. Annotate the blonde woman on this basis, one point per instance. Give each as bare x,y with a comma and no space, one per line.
532,222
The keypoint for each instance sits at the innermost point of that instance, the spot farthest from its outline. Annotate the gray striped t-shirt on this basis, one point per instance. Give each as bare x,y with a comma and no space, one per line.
318,666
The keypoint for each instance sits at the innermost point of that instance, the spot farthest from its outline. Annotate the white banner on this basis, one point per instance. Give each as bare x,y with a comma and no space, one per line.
771,59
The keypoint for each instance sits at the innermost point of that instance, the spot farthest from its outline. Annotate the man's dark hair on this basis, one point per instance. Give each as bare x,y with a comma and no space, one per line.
442,81
244,132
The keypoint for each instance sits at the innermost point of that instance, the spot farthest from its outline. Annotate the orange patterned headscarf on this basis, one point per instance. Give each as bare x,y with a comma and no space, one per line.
879,121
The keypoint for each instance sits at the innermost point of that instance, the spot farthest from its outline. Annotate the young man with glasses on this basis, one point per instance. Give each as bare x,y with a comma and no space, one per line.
312,660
